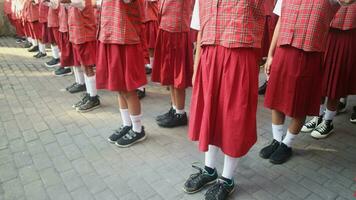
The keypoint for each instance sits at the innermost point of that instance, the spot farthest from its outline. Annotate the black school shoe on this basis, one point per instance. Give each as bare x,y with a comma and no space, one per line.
76,87
63,71
148,70
27,45
40,55
353,116
174,121
267,151
54,62
262,89
170,113
123,130
131,138
33,49
341,107
220,190
199,180
141,94
85,97
91,104
281,155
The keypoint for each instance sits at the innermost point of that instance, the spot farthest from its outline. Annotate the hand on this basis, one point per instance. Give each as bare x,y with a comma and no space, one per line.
268,66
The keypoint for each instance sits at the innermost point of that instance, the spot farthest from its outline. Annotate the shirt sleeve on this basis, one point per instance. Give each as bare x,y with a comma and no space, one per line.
195,24
278,8
80,4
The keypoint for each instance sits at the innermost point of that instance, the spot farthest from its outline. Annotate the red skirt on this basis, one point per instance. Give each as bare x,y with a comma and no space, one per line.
66,50
36,30
27,29
120,67
45,33
20,29
224,100
270,24
173,63
150,31
339,78
85,54
294,86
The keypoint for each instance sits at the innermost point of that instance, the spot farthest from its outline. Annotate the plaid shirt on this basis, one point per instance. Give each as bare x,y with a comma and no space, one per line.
305,24
345,18
120,23
82,24
31,11
175,15
150,10
232,23
63,18
43,12
53,20
268,7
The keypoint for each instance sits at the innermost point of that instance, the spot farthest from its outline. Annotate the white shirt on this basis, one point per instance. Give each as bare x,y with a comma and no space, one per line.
278,8
195,23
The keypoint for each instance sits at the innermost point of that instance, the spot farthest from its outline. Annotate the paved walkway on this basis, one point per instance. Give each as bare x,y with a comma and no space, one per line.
49,151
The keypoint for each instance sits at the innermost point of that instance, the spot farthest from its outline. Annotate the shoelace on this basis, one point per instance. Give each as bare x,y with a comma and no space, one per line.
323,127
130,135
195,178
312,122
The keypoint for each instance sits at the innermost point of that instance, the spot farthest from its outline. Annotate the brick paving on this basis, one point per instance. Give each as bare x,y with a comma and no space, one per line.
49,151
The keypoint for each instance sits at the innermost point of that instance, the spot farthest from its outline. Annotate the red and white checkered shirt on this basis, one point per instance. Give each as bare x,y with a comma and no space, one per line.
305,24
53,20
232,23
63,18
82,24
175,15
31,11
345,18
120,23
43,12
7,7
150,10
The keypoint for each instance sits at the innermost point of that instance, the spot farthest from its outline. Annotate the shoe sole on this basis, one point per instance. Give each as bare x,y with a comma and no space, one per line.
85,111
63,75
111,141
322,136
51,66
353,121
307,131
128,145
164,126
200,189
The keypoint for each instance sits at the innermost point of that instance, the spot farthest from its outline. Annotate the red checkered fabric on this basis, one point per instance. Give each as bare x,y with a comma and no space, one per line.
43,12
127,26
31,11
63,18
175,15
232,23
345,18
150,10
268,7
53,20
305,24
82,24
7,6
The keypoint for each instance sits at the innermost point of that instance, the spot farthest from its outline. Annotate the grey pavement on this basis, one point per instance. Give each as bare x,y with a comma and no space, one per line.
49,151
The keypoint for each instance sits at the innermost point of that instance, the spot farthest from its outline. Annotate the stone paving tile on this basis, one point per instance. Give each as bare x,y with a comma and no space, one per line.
49,151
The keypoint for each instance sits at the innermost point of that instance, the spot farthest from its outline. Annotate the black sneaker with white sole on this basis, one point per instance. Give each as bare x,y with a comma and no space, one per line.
85,97
353,116
323,130
77,88
199,180
170,113
33,49
220,190
40,55
123,130
174,121
63,71
141,93
54,62
267,151
91,104
131,138
281,155
312,124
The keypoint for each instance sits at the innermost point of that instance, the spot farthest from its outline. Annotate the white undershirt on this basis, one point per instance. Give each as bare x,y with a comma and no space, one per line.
195,24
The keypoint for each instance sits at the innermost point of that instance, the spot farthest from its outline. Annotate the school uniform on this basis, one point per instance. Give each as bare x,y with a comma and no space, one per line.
43,15
31,13
53,23
173,56
7,11
150,21
82,32
270,23
339,79
16,16
224,98
120,63
294,86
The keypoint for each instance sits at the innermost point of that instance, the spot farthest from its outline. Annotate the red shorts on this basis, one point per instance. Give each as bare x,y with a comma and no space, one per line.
85,54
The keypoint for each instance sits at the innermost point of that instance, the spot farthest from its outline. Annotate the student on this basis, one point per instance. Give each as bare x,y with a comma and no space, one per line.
120,65
42,19
33,27
340,70
82,35
224,99
16,16
173,58
294,67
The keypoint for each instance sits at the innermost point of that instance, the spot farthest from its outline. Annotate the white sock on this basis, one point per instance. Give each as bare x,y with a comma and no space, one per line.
81,79
210,156
277,131
230,164
181,112
136,123
29,39
289,138
90,83
55,51
34,42
151,62
42,47
141,88
322,110
329,115
125,117
75,71
174,107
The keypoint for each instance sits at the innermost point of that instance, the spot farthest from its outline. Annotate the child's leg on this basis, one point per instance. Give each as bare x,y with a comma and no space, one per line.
90,81
179,96
210,159
124,111
230,164
173,98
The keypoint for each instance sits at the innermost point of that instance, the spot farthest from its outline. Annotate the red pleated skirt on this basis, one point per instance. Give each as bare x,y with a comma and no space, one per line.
85,54
36,30
150,31
270,24
224,100
67,58
294,85
19,27
339,78
173,63
120,67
